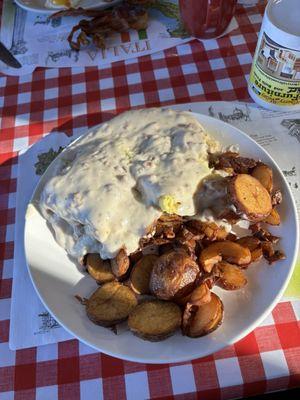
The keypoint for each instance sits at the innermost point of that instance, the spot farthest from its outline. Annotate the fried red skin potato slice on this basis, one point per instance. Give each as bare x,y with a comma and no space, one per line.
141,273
155,320
110,304
120,264
202,320
200,295
173,275
250,197
253,244
273,218
99,269
231,252
135,256
231,277
264,175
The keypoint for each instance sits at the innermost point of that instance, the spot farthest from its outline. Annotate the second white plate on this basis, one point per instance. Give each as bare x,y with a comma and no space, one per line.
39,6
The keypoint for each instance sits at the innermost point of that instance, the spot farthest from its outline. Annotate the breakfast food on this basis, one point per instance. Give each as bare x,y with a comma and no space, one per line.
141,274
110,186
226,250
173,275
231,276
155,320
99,269
203,319
120,264
110,304
150,204
249,196
253,244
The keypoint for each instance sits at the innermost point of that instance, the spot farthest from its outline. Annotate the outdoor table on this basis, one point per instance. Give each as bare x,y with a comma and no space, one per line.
64,100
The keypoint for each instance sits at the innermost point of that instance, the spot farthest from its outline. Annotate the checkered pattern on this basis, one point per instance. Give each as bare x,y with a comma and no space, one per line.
67,100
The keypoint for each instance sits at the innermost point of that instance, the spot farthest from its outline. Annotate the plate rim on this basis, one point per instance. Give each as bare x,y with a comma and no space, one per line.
47,10
220,345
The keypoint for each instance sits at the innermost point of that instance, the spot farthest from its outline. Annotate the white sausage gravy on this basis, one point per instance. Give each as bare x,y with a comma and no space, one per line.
109,186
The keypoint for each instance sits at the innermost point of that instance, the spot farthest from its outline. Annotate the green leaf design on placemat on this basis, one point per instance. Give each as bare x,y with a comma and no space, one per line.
171,10
179,31
45,159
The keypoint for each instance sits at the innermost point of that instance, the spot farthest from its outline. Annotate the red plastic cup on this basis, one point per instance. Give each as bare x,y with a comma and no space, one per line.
206,19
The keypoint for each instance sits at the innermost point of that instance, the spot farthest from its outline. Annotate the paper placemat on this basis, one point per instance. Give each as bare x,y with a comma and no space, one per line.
31,324
37,41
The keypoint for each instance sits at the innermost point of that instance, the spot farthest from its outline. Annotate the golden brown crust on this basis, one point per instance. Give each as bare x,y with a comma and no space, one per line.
141,273
264,175
253,244
155,320
263,234
200,295
250,197
173,275
273,218
208,230
278,255
231,276
203,319
120,264
256,254
232,162
168,225
166,263
228,251
249,241
110,304
99,269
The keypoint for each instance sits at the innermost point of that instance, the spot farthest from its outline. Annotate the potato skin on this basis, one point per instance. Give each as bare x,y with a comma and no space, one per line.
120,264
155,320
231,276
226,250
273,218
141,273
264,175
173,275
99,269
253,244
110,304
205,318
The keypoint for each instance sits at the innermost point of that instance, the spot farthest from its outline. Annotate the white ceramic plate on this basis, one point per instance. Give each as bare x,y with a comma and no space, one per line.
57,279
41,7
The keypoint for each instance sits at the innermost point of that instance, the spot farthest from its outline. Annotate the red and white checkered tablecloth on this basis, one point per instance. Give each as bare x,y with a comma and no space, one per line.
65,100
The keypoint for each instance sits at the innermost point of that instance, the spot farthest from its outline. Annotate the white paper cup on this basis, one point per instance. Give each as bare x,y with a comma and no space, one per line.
274,81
